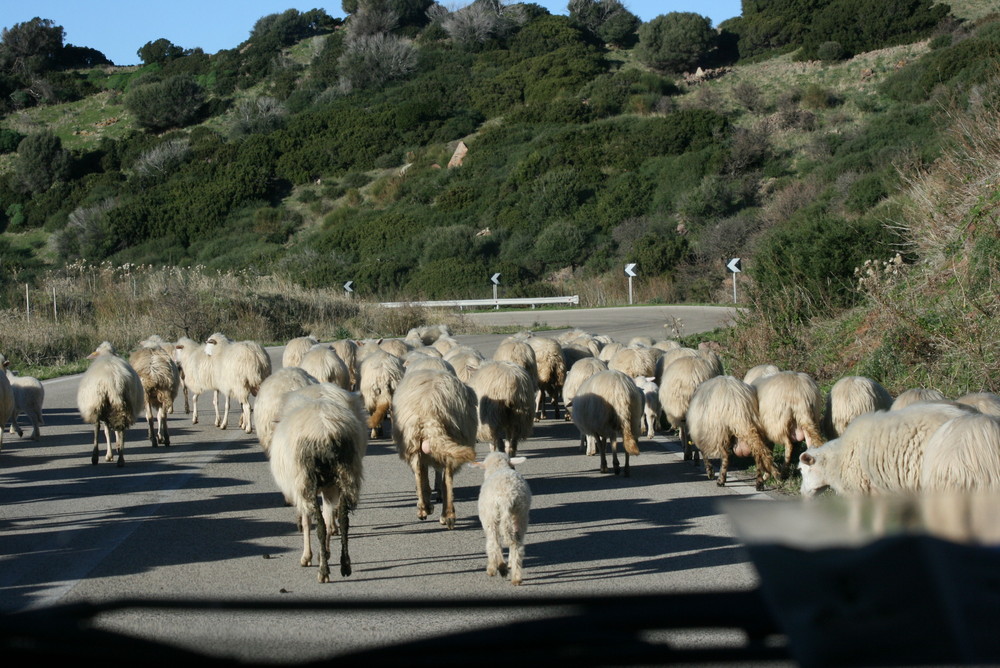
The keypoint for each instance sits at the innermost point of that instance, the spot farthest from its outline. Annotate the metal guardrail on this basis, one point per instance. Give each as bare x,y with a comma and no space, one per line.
495,303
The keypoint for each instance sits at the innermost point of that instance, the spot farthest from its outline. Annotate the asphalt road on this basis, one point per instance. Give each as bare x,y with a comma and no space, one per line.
202,520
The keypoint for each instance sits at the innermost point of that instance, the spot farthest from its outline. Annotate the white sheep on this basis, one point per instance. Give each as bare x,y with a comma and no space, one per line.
379,377
419,360
607,405
551,365
426,335
723,412
515,349
160,378
396,347
197,373
790,407
669,356
434,425
465,360
636,361
271,399
678,382
29,396
505,404
324,364
109,395
347,349
984,402
963,455
581,370
317,451
296,349
609,350
504,505
850,397
759,371
915,394
651,403
239,367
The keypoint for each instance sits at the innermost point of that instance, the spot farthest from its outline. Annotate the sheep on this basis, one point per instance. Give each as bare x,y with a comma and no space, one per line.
651,403
723,411
636,361
317,450
850,397
324,364
759,371
609,350
641,341
666,345
465,360
426,335
984,402
668,357
239,369
790,407
161,381
197,373
296,349
574,352
504,504
879,452
380,374
963,455
29,395
396,347
915,394
516,350
679,380
444,344
608,404
579,372
434,424
348,352
505,404
417,360
110,394
551,365
271,398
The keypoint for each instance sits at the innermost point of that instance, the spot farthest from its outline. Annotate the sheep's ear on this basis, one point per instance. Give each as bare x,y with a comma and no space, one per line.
518,460
807,459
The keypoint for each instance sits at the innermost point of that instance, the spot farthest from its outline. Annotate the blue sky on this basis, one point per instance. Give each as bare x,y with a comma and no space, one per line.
118,28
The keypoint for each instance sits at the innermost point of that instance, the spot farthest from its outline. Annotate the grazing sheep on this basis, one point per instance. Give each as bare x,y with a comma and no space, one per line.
879,452
465,360
608,404
161,380
324,364
379,376
651,403
504,504
850,397
317,451
296,349
578,373
29,395
723,420
197,375
963,455
271,399
110,395
505,405
679,380
790,406
348,351
239,369
551,365
915,394
984,402
434,424
759,371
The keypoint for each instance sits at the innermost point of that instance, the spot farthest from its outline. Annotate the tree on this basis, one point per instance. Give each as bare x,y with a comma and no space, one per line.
160,51
172,102
675,42
371,60
608,20
41,161
31,47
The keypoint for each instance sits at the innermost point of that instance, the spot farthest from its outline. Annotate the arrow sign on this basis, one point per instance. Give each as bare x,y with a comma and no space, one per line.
630,269
347,286
495,278
734,265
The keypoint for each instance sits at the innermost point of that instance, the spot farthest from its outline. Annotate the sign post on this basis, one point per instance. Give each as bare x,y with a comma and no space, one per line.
347,288
495,279
734,266
630,272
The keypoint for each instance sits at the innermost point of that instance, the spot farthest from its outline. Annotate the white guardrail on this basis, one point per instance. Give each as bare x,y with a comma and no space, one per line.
495,303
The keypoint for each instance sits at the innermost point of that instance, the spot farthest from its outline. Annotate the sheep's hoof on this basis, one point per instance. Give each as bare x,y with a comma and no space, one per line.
448,522
194,420
515,582
93,460
305,560
324,575
121,461
502,569
345,568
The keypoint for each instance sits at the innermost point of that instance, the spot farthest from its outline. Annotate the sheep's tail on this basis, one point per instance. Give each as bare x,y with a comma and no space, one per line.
445,448
378,415
628,436
762,455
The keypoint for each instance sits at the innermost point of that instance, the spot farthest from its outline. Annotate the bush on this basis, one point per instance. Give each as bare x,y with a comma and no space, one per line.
675,42
831,52
171,103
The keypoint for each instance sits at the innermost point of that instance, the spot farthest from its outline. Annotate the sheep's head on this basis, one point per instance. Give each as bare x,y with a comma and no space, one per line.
814,465
104,349
497,460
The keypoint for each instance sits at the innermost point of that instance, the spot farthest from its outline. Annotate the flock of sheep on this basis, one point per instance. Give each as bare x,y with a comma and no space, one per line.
315,416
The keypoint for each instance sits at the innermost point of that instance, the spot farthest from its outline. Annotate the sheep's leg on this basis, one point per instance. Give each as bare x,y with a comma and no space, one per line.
194,409
602,447
35,432
650,424
345,557
303,525
424,505
224,422
97,443
515,554
724,469
120,443
591,445
149,425
789,451
187,401
539,404
614,453
323,538
510,446
245,418
709,469
15,428
448,516
555,405
107,434
494,554
163,435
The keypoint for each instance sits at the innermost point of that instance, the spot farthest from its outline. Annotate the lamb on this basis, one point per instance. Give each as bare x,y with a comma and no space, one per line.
759,371
790,407
161,381
380,374
296,349
317,450
197,373
551,365
434,424
963,455
608,404
324,364
504,505
110,394
239,369
29,395
915,394
850,397
679,380
723,411
505,404
651,403
271,399
984,402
